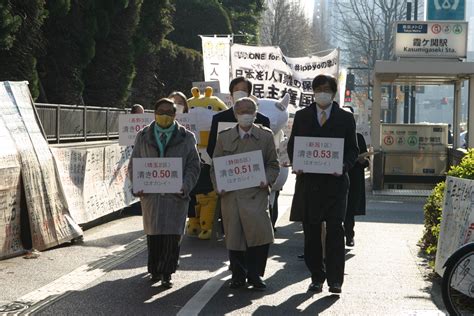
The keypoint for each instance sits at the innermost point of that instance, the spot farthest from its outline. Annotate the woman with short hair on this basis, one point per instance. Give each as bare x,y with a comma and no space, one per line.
164,214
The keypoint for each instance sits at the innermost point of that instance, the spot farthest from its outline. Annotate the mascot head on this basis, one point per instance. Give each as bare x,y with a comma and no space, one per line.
276,111
204,107
207,100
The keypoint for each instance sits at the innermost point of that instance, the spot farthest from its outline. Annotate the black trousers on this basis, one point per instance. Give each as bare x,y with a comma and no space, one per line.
274,209
163,253
349,224
248,264
332,268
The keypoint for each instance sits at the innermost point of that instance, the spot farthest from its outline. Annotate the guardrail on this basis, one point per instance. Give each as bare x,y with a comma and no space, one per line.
78,123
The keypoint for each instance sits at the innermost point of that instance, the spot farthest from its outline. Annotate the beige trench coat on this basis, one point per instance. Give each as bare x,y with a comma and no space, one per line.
245,212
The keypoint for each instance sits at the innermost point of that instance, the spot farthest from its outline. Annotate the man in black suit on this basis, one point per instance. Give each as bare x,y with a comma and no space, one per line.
239,87
323,197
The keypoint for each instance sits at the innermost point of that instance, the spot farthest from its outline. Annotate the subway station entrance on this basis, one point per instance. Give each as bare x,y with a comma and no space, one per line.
417,155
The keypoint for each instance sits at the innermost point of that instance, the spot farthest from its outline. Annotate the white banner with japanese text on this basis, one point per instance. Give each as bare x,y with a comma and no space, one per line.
215,54
457,224
273,75
131,124
318,154
157,175
94,180
49,218
10,195
239,171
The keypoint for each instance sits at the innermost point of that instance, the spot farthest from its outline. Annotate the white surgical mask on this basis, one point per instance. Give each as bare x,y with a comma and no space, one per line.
236,95
179,108
323,98
245,120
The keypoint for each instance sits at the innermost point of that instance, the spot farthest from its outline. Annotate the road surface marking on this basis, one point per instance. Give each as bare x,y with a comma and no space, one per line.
204,295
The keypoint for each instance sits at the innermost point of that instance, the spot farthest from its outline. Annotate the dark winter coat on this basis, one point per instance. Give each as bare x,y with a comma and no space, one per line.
321,196
356,197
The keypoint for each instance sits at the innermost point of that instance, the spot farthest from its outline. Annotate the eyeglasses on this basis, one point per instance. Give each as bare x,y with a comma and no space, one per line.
169,113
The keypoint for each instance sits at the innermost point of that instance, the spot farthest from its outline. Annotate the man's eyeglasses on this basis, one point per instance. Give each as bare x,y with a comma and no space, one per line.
169,113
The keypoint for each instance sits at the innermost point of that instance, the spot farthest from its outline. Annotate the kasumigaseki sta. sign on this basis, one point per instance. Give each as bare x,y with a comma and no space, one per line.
433,39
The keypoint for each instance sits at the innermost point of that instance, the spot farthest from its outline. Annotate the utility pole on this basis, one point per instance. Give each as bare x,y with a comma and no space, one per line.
409,109
413,88
406,89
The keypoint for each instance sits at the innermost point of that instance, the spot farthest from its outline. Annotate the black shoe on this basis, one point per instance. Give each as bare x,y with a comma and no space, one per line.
335,288
257,283
236,283
315,287
155,277
350,242
166,281
301,257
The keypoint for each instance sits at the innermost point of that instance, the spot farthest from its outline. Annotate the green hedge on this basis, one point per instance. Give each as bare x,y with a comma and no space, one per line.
434,203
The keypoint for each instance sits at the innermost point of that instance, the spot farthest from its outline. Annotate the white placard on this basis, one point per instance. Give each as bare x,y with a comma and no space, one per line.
190,122
216,56
131,124
157,175
364,130
318,154
457,223
240,171
226,98
431,39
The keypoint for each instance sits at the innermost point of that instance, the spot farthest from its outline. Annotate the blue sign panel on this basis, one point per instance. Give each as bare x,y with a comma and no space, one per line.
446,10
412,28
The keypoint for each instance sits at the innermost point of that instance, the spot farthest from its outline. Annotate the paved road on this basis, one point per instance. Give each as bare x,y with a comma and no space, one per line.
106,275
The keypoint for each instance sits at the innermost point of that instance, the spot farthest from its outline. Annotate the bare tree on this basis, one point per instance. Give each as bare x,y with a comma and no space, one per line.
286,25
366,29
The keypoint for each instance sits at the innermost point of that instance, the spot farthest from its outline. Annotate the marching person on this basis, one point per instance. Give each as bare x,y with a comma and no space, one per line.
323,197
247,224
356,197
164,214
239,87
137,109
180,101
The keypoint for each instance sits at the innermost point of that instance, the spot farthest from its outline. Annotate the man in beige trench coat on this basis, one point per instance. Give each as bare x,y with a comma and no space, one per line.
247,224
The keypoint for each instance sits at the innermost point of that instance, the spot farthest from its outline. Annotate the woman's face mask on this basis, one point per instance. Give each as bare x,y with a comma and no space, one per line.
179,108
164,120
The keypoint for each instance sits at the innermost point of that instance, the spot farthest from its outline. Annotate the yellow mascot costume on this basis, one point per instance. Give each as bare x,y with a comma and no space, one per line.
206,198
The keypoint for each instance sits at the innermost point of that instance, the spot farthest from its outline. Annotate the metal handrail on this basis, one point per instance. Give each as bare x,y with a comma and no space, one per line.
78,123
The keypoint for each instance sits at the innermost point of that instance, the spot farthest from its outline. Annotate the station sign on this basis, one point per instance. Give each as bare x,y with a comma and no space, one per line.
433,39
414,137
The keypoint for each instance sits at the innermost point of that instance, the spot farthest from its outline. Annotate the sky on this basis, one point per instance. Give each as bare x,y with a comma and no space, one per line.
309,6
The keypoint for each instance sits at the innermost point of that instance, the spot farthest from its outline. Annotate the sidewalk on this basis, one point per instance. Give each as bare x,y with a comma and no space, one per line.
384,275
